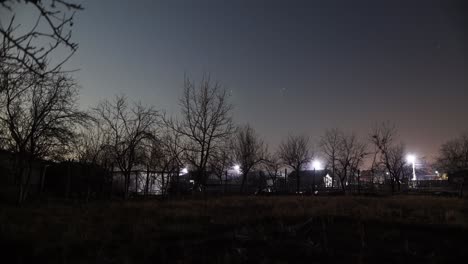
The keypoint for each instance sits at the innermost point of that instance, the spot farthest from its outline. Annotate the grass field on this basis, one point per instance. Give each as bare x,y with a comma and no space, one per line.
285,229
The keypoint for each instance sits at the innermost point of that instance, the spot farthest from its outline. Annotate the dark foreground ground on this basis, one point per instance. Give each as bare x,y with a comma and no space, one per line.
401,229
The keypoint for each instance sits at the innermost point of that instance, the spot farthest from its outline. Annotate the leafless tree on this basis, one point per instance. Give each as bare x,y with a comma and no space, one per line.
453,154
391,154
39,115
222,160
249,151
164,157
329,145
31,45
349,157
125,128
272,165
295,153
90,143
206,123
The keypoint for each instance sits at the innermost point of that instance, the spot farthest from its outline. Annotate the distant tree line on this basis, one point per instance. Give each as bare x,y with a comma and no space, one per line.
40,119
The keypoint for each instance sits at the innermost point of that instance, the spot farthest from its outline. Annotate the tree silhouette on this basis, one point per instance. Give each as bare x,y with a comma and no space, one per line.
30,46
350,155
125,128
453,154
39,115
392,155
249,150
295,153
329,145
206,123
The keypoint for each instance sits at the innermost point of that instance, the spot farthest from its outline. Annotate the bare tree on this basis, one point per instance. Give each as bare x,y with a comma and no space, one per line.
31,45
206,123
453,154
164,156
295,153
90,143
222,160
272,165
125,128
39,115
349,157
249,151
391,154
329,145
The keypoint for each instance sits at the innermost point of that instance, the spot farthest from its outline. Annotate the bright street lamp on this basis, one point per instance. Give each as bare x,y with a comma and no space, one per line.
411,158
316,165
236,168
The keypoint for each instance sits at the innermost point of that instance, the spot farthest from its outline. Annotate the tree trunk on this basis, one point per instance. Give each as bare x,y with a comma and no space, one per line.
225,181
28,180
147,182
111,181
43,175
244,176
333,175
126,184
136,182
178,181
163,185
359,182
393,185
343,186
298,181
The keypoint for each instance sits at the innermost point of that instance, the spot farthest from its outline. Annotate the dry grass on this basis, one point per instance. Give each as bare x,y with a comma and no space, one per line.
230,229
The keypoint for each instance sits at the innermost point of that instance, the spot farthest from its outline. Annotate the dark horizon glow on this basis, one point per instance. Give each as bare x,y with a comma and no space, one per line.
291,66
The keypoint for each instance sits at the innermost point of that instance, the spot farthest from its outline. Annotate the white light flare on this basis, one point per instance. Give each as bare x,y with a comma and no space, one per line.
184,171
411,159
317,165
237,168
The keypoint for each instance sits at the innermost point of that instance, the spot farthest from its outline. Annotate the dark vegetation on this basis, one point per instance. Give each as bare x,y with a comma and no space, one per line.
239,230
74,218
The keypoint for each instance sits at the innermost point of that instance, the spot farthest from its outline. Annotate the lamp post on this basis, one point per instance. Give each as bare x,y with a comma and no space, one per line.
412,160
316,165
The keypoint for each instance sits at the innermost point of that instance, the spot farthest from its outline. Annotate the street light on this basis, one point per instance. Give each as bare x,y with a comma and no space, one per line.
316,165
237,168
411,158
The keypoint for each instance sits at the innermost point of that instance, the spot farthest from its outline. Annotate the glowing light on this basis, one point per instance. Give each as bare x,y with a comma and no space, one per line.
184,171
411,158
317,165
237,168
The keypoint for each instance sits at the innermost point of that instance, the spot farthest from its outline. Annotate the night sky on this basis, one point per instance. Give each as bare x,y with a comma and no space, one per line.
291,66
